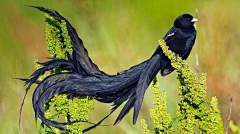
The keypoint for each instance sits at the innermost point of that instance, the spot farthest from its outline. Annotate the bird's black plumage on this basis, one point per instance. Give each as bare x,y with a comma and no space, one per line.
86,79
180,39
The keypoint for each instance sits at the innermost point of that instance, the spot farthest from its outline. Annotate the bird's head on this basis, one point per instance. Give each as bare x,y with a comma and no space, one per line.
185,21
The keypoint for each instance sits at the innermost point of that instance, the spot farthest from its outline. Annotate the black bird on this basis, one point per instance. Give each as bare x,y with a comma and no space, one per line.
86,79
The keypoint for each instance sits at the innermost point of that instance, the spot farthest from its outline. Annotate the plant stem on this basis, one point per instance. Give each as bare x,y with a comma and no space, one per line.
229,115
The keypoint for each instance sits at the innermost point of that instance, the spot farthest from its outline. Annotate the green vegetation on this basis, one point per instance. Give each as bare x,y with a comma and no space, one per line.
160,117
144,127
192,110
59,44
234,128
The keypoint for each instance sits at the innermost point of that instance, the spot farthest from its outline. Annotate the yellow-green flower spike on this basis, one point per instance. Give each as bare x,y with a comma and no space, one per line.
192,111
234,128
161,118
145,129
58,44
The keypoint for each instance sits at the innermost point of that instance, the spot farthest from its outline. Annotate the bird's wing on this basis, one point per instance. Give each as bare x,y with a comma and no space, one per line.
189,44
81,58
169,37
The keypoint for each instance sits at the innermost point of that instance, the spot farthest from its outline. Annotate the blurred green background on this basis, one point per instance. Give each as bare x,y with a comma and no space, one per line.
119,34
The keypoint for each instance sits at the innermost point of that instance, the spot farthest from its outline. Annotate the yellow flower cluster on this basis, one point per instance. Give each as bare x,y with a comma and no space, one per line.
193,113
192,110
58,45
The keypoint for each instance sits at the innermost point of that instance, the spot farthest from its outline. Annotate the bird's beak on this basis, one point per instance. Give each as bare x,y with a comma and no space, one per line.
194,20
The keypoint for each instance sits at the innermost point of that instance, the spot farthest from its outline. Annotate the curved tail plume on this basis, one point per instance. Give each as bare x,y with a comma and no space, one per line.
86,79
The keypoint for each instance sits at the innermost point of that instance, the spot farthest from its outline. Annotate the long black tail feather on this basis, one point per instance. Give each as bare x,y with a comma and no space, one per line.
49,65
25,80
125,109
147,75
87,80
81,59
